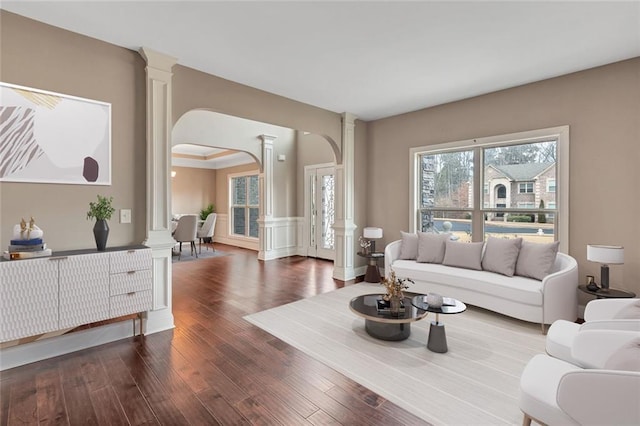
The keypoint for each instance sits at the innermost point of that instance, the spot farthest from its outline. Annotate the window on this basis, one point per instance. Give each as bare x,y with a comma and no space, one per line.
244,201
525,187
551,185
487,186
445,192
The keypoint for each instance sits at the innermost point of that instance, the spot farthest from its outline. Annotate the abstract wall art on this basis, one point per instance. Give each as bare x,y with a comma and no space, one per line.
48,137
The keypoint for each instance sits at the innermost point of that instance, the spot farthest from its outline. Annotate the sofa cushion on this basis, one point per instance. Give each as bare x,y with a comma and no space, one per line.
626,357
501,255
463,255
431,247
536,260
631,311
518,289
408,246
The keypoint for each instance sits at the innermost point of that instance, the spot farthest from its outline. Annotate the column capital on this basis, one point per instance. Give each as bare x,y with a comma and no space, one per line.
349,119
268,138
157,60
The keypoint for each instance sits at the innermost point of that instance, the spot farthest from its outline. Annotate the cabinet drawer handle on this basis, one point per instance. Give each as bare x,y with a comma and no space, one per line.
131,272
58,258
131,251
131,293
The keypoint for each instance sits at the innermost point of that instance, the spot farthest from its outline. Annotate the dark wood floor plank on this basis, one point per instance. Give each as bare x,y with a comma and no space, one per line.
49,394
156,395
5,397
76,393
353,401
107,407
23,408
320,418
224,412
332,407
163,359
133,402
213,368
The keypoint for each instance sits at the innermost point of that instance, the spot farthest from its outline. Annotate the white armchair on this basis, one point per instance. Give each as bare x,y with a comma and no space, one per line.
600,314
606,392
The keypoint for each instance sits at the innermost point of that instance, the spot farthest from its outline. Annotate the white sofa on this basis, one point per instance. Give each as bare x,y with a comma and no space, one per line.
553,298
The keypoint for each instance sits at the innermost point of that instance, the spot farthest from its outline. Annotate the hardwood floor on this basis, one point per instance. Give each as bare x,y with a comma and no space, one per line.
213,368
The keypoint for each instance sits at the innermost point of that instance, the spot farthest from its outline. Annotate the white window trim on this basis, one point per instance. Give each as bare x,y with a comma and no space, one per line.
230,178
527,183
554,184
560,134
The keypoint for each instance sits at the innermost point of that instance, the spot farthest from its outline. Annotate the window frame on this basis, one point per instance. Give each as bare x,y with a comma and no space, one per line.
548,185
526,188
560,134
246,206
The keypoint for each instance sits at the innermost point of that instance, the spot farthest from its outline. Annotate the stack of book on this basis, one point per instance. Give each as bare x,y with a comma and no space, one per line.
27,249
384,307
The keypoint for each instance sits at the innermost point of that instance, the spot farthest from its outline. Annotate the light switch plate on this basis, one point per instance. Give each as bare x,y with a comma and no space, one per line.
125,215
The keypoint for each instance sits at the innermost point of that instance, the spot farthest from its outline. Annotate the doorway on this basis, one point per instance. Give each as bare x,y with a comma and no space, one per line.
320,210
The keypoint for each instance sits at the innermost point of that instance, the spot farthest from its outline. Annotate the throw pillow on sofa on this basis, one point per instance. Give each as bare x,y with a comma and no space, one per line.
431,247
536,260
463,255
408,246
501,255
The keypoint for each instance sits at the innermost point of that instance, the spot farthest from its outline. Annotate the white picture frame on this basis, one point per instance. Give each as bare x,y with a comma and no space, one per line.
48,137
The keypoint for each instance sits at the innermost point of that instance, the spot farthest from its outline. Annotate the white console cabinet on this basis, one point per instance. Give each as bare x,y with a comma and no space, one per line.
71,289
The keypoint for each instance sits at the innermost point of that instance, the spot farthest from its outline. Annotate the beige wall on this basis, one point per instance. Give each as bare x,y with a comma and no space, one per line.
37,55
45,57
312,149
193,89
602,108
192,190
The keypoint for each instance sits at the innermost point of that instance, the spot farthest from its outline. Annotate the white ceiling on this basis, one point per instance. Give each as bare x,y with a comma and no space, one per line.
373,59
206,157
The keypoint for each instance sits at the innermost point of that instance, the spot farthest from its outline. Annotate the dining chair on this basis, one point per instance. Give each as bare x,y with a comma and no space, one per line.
186,231
206,231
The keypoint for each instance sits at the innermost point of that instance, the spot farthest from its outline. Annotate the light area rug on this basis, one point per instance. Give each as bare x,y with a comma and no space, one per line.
475,382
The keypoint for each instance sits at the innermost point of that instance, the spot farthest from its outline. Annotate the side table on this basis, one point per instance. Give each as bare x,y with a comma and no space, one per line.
373,272
610,293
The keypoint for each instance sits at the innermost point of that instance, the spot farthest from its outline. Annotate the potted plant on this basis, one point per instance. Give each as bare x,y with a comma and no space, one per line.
206,211
101,211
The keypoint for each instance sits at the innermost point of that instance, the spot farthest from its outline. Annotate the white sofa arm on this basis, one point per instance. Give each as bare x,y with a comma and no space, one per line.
391,253
560,291
606,309
600,397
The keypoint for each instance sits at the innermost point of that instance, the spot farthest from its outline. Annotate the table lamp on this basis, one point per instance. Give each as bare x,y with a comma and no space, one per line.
606,255
372,234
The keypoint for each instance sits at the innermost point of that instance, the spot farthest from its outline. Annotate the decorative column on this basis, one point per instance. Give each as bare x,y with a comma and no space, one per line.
265,221
344,226
158,236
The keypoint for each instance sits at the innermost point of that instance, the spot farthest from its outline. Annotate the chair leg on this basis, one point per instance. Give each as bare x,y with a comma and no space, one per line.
200,244
180,252
526,420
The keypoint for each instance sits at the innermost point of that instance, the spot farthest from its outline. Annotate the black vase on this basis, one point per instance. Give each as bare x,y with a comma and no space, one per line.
101,233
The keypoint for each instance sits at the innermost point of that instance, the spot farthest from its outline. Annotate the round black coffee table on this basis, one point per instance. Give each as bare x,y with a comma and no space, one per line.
437,338
382,325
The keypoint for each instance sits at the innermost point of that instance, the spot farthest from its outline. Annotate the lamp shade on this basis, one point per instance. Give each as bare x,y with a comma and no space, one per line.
609,255
372,233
